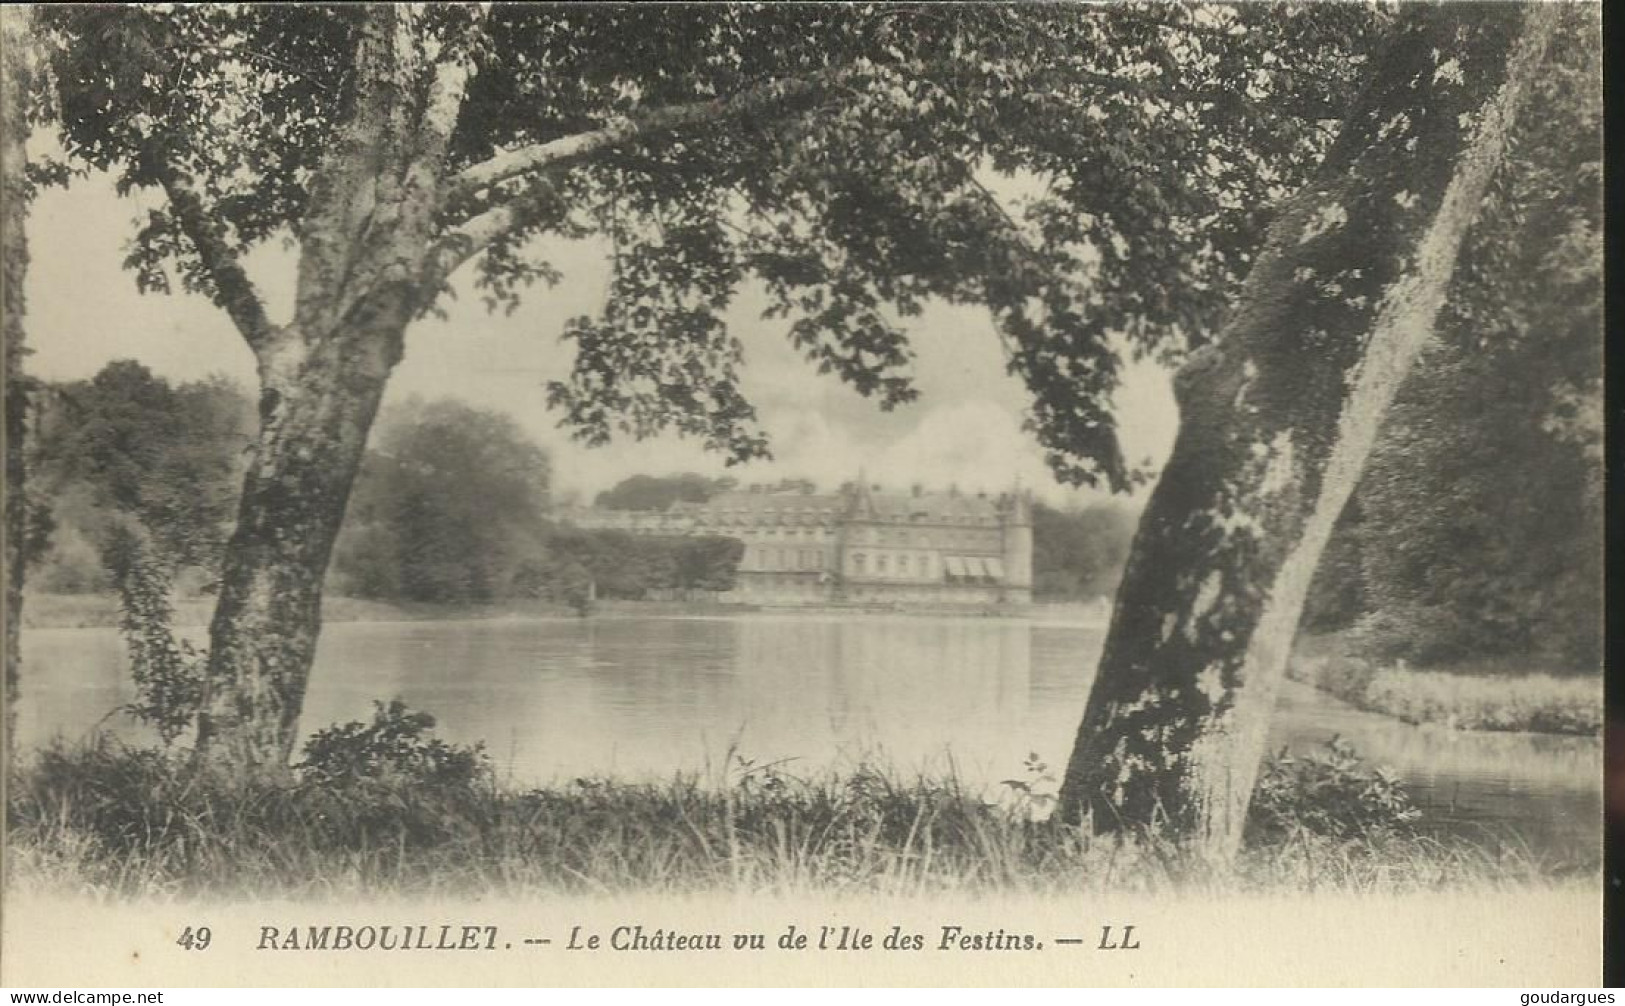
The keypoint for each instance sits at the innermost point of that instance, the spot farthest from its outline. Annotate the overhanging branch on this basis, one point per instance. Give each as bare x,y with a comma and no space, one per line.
474,234
566,149
233,289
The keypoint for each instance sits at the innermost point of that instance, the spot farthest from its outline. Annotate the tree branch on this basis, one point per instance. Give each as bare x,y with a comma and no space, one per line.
462,243
513,163
233,289
474,234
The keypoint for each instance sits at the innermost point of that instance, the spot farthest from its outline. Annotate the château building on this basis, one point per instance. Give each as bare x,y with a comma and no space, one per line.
859,544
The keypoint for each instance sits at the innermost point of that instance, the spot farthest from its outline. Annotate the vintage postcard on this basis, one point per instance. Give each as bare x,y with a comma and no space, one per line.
730,494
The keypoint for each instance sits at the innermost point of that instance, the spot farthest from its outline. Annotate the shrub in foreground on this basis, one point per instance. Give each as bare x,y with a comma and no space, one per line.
1328,793
395,746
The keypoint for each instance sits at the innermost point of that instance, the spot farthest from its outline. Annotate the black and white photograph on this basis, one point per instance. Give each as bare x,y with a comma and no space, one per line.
914,494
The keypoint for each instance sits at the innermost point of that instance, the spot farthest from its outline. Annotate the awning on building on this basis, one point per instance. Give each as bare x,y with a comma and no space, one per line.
973,567
955,566
995,567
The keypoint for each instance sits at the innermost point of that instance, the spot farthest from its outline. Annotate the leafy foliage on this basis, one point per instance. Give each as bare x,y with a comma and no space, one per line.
1097,176
142,476
449,506
1329,793
1080,553
658,492
127,444
396,747
633,567
168,670
1476,528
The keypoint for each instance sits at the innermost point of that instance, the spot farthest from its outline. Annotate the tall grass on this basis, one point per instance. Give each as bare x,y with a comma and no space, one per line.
119,822
1458,699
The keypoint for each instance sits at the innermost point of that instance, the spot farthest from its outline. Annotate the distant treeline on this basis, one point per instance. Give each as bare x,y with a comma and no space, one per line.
451,505
128,450
1474,535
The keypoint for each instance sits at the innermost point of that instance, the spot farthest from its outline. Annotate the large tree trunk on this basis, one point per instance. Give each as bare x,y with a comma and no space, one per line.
13,269
365,270
1277,418
318,399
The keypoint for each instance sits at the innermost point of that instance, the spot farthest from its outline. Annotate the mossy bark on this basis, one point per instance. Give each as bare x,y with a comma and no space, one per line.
1276,420
318,399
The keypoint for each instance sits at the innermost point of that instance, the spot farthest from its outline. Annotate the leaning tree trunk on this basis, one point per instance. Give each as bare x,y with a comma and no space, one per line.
318,398
1277,418
365,270
13,269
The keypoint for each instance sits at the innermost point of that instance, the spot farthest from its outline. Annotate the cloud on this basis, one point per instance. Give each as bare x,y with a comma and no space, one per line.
976,445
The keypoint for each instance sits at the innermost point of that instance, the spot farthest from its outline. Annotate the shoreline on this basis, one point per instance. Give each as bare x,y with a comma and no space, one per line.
1453,698
100,611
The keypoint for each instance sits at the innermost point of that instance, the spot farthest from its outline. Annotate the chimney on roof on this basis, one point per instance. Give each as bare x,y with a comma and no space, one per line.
918,489
953,489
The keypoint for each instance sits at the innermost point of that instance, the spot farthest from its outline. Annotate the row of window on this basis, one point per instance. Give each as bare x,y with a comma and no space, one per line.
791,532
887,564
890,564
785,558
749,525
927,539
934,539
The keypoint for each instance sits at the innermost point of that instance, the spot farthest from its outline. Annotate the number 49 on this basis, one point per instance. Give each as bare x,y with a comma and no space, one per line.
194,939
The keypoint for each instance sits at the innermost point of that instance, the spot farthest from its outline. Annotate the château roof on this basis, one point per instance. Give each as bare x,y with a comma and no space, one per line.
761,508
936,507
860,503
854,502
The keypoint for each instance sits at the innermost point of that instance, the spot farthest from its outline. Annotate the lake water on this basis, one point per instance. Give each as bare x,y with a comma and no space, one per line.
647,696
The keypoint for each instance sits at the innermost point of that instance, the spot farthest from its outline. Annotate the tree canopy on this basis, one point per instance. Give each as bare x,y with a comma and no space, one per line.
448,507
1078,554
127,445
657,492
848,158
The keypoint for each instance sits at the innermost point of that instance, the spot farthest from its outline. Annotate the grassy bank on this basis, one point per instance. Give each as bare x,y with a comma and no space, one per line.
121,822
1458,698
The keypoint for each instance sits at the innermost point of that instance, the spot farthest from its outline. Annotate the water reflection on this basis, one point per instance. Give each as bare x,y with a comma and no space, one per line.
643,697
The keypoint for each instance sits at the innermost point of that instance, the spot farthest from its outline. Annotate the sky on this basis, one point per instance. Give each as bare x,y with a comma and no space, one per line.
965,429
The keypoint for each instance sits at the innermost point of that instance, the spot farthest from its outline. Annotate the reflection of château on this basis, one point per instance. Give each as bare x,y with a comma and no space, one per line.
859,544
